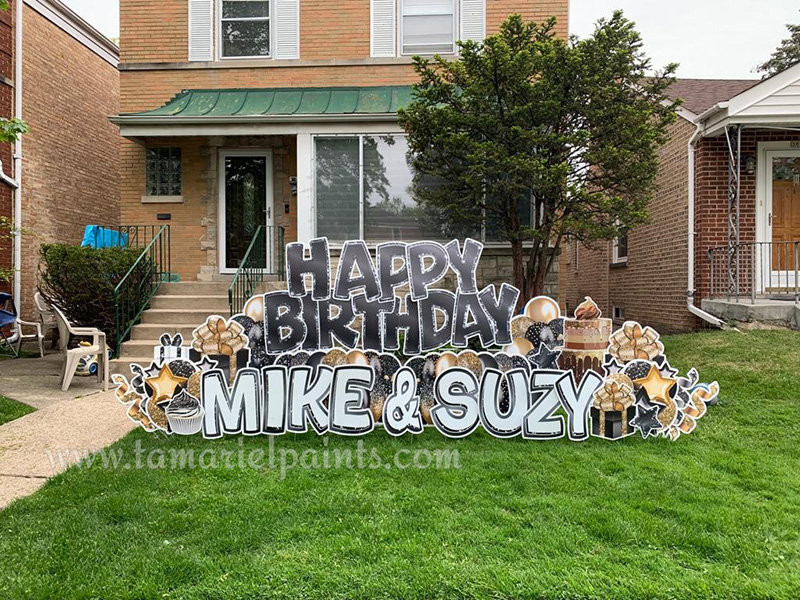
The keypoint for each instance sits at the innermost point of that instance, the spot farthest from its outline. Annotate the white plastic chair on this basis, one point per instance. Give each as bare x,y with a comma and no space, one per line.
46,316
72,356
19,336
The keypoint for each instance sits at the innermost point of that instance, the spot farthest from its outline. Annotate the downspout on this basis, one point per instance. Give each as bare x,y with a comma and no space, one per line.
692,146
18,155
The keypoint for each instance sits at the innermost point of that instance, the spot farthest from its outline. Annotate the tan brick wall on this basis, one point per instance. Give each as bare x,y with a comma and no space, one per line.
70,156
193,222
652,285
156,31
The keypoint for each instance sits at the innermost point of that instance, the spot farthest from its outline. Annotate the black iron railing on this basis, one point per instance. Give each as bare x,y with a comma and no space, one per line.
257,265
134,292
759,270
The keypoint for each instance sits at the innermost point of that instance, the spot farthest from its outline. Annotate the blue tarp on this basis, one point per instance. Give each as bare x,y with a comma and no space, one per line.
100,237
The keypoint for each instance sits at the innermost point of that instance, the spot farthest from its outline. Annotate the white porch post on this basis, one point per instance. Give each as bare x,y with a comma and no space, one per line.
305,188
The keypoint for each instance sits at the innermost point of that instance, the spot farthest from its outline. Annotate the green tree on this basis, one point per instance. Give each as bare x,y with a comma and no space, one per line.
572,127
786,55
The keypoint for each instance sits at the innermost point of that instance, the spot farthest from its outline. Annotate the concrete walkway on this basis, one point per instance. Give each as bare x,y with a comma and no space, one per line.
64,426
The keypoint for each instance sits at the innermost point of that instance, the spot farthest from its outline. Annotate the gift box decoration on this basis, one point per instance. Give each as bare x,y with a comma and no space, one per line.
171,348
613,408
222,341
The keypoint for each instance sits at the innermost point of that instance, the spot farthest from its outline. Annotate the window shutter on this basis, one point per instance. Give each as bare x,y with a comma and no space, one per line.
383,28
201,30
287,29
473,20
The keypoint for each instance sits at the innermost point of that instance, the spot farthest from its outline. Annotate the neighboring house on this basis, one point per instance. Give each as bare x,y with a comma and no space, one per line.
729,187
65,83
282,113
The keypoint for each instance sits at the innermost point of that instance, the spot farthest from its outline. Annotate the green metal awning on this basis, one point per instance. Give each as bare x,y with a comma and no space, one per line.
276,104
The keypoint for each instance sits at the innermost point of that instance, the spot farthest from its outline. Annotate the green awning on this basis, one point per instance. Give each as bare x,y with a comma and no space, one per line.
237,105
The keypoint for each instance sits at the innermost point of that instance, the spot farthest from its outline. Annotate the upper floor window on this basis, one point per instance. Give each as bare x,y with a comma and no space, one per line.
620,253
163,171
428,27
245,29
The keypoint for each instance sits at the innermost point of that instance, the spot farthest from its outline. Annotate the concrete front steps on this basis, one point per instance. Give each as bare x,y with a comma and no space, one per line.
177,308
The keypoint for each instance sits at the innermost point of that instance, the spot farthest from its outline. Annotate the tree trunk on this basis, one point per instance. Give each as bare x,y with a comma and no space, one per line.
519,273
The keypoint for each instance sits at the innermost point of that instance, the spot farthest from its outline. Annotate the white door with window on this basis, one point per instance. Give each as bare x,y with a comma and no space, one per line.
245,205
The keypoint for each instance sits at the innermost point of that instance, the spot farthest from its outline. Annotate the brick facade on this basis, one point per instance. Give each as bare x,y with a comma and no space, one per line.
334,51
6,150
70,156
652,286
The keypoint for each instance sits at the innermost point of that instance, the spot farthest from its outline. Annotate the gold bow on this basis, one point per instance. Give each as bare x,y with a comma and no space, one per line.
219,337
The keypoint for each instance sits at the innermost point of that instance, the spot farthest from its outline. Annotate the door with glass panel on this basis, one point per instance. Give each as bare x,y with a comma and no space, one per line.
245,205
783,220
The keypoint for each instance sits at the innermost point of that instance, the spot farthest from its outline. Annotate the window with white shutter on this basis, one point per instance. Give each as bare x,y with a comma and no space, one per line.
201,30
383,29
473,20
427,27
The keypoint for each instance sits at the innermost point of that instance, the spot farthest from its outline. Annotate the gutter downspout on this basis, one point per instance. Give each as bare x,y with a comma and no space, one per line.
691,289
18,154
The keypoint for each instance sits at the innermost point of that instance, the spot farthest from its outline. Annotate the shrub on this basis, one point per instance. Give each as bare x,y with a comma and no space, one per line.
81,281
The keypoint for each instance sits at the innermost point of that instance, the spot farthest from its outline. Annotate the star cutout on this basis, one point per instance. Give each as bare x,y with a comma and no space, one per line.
612,366
165,384
646,421
545,358
642,399
656,385
665,368
152,371
207,364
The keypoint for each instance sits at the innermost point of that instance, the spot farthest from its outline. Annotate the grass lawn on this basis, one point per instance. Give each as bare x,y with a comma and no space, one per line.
11,409
716,514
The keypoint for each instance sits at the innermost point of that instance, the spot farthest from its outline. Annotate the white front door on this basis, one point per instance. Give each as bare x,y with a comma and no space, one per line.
245,203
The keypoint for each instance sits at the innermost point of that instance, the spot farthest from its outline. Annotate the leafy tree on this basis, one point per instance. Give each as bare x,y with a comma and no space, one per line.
571,127
786,55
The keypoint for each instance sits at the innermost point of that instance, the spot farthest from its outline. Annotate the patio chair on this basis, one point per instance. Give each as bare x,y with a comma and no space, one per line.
9,318
72,356
46,316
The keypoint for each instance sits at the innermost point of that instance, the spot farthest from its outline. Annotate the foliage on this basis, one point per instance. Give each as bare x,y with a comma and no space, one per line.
7,233
786,55
11,409
575,125
12,129
713,515
4,5
81,281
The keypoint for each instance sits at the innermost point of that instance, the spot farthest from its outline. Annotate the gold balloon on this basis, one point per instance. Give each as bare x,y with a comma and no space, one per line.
542,310
255,308
446,361
470,361
357,357
520,347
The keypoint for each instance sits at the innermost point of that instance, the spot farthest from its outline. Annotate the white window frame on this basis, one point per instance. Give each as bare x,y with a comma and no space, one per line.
400,21
218,20
360,136
615,257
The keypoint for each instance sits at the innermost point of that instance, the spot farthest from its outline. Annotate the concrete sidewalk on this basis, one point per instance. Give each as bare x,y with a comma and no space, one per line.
79,420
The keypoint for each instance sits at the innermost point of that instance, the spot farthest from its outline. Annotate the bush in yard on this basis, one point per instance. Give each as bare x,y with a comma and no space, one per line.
81,282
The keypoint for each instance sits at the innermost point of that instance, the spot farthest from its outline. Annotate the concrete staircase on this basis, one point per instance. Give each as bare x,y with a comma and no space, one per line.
177,308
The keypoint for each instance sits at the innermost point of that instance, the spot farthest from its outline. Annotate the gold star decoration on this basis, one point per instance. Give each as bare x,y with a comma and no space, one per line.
165,383
656,385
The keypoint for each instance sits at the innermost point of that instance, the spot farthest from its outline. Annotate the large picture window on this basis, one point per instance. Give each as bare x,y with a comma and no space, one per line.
364,190
245,28
428,27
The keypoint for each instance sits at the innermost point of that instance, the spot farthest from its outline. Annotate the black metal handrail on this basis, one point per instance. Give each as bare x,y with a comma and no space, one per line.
755,270
254,266
134,291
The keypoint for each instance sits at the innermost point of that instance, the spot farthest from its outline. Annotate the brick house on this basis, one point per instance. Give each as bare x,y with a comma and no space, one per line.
725,232
282,113
60,75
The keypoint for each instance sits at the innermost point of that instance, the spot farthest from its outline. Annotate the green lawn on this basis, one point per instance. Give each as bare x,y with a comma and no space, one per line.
716,514
11,409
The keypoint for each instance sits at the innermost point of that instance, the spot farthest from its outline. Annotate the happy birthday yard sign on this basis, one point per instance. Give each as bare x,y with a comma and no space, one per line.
386,343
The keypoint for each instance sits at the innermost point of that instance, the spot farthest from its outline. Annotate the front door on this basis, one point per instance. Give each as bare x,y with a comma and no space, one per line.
245,204
784,218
